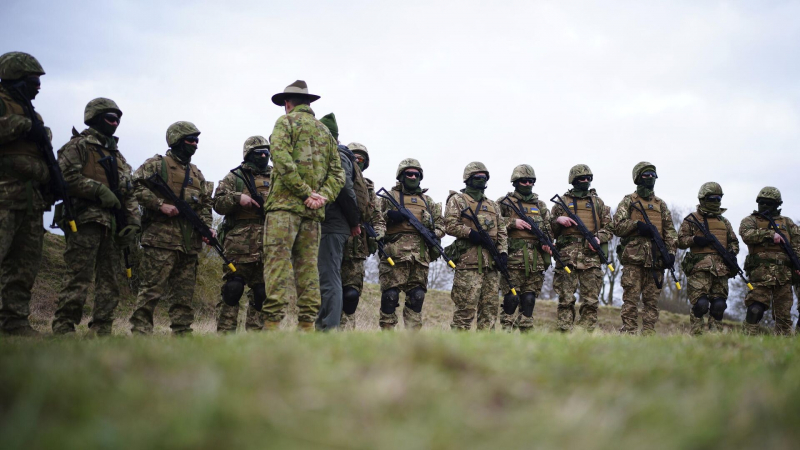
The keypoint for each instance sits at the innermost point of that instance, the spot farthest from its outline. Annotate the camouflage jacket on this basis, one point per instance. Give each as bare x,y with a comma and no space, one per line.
638,250
160,230
409,246
767,264
573,248
473,256
85,148
305,159
21,165
523,247
711,261
243,239
356,247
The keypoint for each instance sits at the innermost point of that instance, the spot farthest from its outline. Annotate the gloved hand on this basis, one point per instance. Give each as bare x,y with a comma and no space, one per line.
670,260
38,133
372,245
504,259
394,216
107,198
127,235
701,241
474,237
644,229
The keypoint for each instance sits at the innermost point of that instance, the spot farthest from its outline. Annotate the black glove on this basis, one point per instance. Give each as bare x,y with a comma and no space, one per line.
670,260
644,229
701,241
475,237
38,133
394,216
372,245
504,259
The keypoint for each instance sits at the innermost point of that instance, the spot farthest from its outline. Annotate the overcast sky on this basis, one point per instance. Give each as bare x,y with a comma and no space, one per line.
704,90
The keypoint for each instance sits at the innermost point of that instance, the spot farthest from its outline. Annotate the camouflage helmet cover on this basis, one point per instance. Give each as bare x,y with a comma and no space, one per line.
409,163
642,167
579,170
473,168
522,171
355,147
710,188
15,65
253,143
99,106
771,193
179,130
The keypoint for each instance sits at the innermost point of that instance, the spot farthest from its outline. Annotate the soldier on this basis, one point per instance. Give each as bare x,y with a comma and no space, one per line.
169,243
643,273
577,252
239,197
707,274
108,218
407,248
358,248
528,258
307,172
475,284
23,178
767,265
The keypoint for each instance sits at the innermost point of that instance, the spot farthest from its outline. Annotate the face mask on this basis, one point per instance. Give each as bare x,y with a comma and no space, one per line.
768,207
649,183
711,205
581,186
101,124
255,158
477,182
523,189
360,166
28,87
411,183
184,151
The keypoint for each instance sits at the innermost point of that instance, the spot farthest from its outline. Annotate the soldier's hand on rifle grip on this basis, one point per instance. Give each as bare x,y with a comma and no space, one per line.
355,231
776,238
475,237
213,234
595,246
565,221
504,259
701,241
547,250
245,200
521,224
38,133
394,216
169,210
644,229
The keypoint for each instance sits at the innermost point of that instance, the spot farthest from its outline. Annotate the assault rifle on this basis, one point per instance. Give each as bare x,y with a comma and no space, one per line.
587,235
370,230
727,257
658,244
189,215
785,244
249,184
109,165
427,235
543,238
488,244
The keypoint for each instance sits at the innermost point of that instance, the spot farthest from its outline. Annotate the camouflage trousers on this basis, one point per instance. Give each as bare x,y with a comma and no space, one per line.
475,292
403,276
532,283
169,274
780,298
228,316
352,276
291,248
92,257
590,282
637,282
21,239
704,283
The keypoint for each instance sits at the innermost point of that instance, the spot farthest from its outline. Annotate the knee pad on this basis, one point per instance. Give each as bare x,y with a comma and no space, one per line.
390,300
700,307
415,298
259,295
232,291
526,303
510,303
350,298
718,307
755,312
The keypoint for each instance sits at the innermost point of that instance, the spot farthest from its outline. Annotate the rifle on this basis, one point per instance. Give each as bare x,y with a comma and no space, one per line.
250,187
785,244
536,231
109,164
370,230
659,245
488,244
189,215
427,235
587,235
727,257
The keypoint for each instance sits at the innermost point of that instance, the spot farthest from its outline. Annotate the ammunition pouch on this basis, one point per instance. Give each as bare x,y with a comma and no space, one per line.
689,261
457,249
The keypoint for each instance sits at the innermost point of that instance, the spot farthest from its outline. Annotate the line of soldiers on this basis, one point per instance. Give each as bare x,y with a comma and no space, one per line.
271,231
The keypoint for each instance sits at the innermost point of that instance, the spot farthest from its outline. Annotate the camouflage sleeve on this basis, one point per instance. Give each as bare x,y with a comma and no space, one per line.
452,219
751,234
12,126
71,158
376,217
438,220
207,204
670,235
283,164
733,240
502,233
226,199
606,232
132,212
143,194
547,220
335,179
623,225
555,213
686,235
794,235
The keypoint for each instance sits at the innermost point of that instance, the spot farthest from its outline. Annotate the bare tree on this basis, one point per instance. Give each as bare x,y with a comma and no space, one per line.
440,275
608,292
371,269
672,299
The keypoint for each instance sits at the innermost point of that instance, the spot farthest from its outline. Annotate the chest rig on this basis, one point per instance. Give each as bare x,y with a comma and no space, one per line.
414,203
717,227
653,210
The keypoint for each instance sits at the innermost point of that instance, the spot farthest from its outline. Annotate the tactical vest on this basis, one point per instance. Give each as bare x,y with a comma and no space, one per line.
92,168
174,175
531,210
414,203
770,247
486,209
262,184
653,210
19,146
584,208
717,227
363,197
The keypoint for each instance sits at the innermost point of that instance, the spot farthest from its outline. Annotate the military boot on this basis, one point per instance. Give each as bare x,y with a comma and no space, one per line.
751,329
271,326
98,328
566,317
348,322
695,325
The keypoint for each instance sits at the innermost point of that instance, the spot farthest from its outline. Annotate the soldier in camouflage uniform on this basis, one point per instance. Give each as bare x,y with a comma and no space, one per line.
636,250
170,243
242,235
706,272
307,173
767,265
476,281
358,248
527,257
89,161
23,179
579,254
407,248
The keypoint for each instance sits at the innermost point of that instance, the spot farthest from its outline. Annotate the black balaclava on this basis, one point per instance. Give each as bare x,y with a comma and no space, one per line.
769,206
182,151
525,191
711,204
411,184
99,123
476,184
645,186
28,86
256,160
581,188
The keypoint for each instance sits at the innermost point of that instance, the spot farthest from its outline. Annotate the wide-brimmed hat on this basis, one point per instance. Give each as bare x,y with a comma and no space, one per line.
299,87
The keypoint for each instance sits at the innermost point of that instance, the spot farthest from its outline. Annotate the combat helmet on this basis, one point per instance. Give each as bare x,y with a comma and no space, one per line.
771,193
16,65
475,167
710,188
522,171
99,106
179,130
579,170
640,168
355,147
409,163
254,143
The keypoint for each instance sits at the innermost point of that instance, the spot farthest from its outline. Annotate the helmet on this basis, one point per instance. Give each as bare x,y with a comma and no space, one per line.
99,106
409,163
580,170
355,147
640,168
179,130
710,188
522,171
771,193
15,65
253,143
475,167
